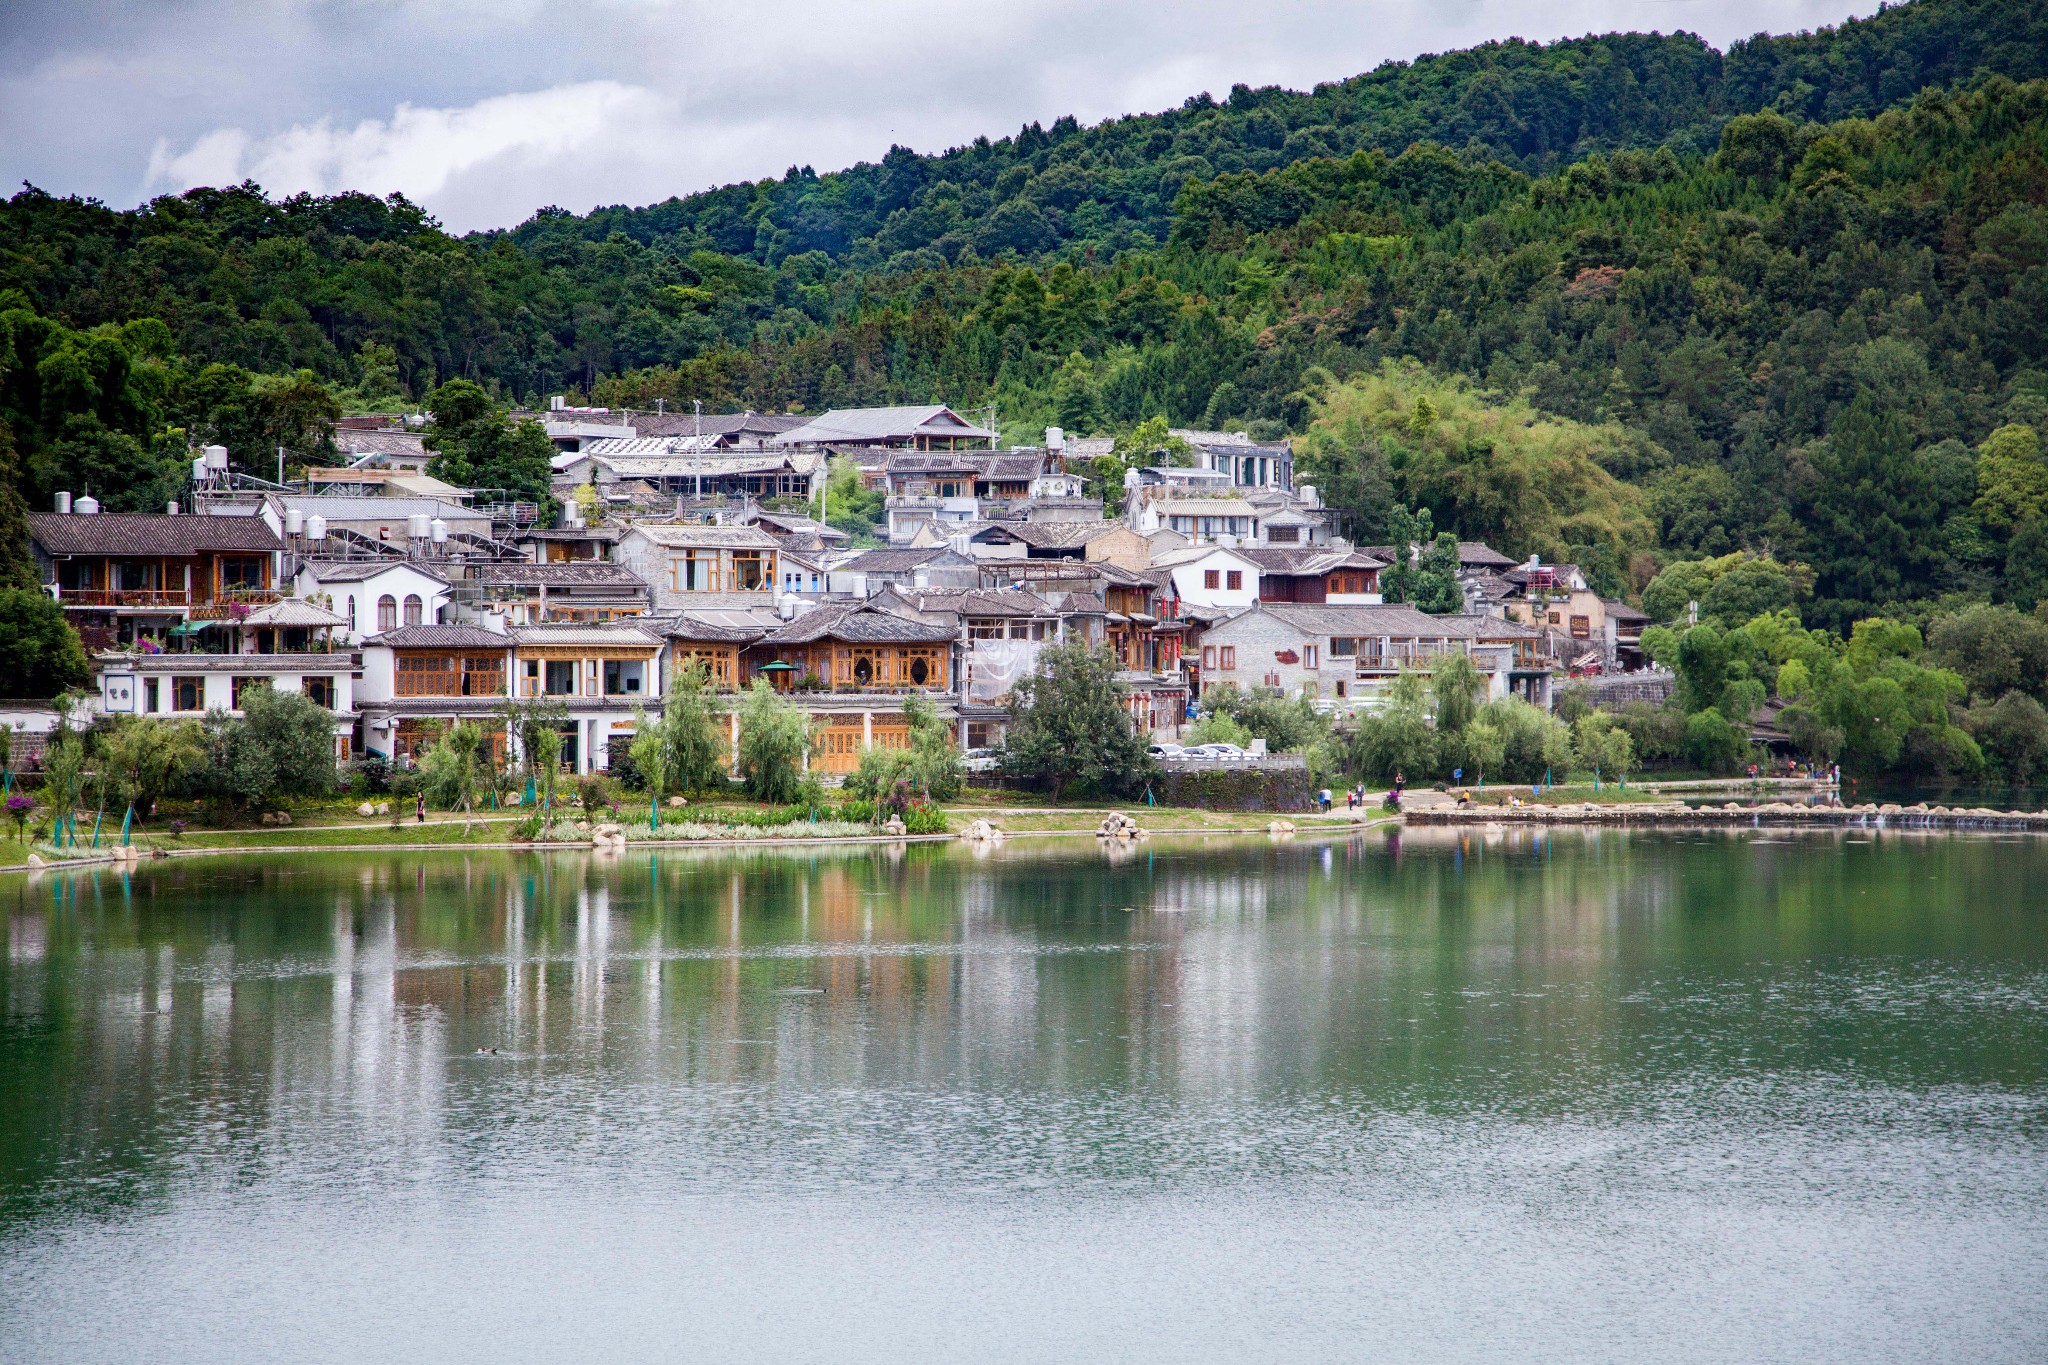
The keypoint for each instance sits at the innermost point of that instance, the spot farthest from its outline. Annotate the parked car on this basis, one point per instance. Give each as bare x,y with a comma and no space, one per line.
981,760
1164,751
1216,753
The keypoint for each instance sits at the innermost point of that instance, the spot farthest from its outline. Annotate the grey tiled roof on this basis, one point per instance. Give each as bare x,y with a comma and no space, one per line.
589,572
442,637
149,533
858,623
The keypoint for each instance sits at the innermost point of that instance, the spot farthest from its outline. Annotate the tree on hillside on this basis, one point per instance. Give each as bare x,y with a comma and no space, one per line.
1069,732
476,447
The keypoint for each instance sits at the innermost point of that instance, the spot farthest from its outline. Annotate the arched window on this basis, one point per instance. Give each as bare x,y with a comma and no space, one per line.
351,611
863,672
412,608
919,671
387,613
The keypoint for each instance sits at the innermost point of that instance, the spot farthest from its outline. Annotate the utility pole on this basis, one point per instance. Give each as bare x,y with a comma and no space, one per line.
280,466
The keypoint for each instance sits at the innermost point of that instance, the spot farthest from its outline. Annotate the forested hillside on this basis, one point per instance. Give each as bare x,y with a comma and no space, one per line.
1792,298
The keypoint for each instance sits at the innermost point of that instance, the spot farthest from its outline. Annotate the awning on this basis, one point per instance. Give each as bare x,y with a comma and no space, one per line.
778,666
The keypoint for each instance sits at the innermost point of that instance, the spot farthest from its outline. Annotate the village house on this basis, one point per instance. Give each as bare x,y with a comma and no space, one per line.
1210,581
529,594
1335,574
687,566
1346,654
373,595
1247,463
933,426
867,573
419,679
131,576
286,645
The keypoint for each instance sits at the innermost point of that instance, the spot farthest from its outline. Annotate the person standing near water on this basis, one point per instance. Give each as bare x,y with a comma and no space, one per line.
420,807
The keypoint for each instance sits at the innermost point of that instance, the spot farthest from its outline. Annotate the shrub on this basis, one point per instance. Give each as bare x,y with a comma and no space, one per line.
921,817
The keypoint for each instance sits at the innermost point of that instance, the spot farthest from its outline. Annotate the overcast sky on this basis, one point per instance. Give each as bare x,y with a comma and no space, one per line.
484,110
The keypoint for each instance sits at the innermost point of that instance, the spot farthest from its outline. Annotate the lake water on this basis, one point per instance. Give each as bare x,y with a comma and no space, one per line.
1593,1097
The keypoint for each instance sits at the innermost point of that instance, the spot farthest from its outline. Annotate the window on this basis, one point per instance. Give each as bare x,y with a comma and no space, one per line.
1340,688
1208,656
623,677
1283,535
1234,580
1226,657
1210,579
351,611
1557,618
188,694
149,695
1343,646
240,573
561,677
414,609
387,613
1309,656
919,671
241,685
320,690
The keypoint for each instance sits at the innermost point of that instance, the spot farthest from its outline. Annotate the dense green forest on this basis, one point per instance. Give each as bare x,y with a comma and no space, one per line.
1623,299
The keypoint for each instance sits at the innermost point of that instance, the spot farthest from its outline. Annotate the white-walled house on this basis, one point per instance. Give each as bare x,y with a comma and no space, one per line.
1346,654
1210,580
374,595
185,686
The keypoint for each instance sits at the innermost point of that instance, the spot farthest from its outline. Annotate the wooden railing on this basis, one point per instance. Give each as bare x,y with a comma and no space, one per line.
124,597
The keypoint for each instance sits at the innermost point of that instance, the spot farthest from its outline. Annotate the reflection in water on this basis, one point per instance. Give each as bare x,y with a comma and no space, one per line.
1556,1035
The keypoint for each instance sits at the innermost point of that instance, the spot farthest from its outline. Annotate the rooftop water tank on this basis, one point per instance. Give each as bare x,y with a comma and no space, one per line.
216,457
63,503
416,526
199,469
316,527
87,505
437,530
294,521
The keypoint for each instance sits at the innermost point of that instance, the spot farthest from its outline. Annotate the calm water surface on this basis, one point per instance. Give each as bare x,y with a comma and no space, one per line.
1604,1097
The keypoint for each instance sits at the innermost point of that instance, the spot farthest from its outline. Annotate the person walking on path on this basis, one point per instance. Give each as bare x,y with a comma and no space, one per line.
420,807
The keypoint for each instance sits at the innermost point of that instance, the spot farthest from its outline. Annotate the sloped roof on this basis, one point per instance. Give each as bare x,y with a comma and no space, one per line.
857,623
792,524
973,601
615,634
293,612
685,535
587,572
691,626
744,424
1203,507
384,441
442,637
895,561
152,533
1622,611
883,424
361,570
1393,619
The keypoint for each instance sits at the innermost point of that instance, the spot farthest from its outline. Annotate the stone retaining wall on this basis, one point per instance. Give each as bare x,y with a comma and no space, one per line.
1867,816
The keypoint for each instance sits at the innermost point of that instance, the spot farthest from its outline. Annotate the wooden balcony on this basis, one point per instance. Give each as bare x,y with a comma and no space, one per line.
124,597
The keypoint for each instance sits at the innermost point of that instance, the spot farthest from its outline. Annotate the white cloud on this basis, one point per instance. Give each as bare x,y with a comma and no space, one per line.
630,101
419,152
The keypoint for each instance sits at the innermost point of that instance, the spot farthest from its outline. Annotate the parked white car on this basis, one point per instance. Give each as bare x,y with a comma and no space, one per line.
981,760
